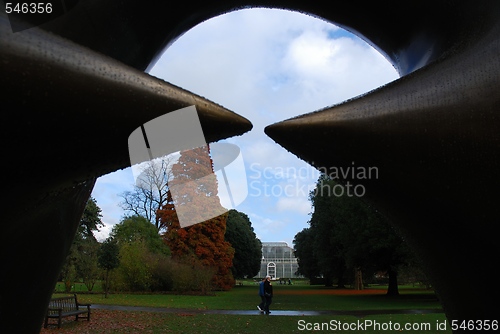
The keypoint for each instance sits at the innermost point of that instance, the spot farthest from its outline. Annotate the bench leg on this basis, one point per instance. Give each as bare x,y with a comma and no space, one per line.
46,322
88,316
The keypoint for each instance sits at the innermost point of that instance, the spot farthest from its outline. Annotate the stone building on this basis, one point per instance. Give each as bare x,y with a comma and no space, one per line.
278,261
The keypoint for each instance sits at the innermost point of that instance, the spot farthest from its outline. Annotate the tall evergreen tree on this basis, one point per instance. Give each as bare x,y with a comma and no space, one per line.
91,220
247,247
81,262
204,240
349,235
306,256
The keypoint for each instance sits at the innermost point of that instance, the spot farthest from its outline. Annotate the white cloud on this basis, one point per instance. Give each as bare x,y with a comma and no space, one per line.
294,204
104,232
266,154
337,69
267,228
234,59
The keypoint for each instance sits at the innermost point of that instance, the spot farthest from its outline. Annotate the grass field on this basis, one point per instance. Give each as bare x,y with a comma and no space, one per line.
295,297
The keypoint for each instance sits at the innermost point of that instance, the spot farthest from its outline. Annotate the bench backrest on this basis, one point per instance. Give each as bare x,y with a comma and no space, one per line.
65,303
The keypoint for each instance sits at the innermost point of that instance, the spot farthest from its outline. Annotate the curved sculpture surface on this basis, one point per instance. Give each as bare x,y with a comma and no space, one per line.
74,88
434,139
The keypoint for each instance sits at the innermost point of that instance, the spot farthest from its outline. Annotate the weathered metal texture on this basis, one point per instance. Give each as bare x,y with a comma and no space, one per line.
71,97
434,137
67,114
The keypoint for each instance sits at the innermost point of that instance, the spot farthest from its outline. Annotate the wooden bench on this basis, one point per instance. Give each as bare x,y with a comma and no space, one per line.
66,307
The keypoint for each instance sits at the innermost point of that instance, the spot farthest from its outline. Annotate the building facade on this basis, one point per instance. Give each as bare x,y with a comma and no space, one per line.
278,261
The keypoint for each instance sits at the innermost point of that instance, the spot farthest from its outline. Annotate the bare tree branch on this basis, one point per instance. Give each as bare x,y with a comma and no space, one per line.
150,190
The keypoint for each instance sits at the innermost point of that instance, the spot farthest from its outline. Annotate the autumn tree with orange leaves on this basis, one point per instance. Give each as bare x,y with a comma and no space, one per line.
203,240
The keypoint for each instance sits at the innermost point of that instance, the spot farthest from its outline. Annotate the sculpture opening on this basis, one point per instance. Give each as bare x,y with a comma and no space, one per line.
267,65
434,131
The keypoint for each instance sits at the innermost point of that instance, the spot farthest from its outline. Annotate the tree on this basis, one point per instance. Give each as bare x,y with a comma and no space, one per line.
134,228
368,241
204,243
87,267
88,247
108,260
204,240
143,256
304,251
133,271
247,247
82,258
349,236
91,220
327,252
150,190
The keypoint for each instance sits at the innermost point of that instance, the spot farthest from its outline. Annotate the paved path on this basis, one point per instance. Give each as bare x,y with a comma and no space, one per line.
359,313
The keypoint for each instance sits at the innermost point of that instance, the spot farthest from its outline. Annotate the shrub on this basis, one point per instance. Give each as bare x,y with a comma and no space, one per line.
161,267
191,275
133,274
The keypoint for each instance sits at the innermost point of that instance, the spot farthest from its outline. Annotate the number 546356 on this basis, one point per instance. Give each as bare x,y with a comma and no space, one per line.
28,7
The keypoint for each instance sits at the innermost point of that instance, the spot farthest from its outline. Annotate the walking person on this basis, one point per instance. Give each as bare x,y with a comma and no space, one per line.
268,293
262,304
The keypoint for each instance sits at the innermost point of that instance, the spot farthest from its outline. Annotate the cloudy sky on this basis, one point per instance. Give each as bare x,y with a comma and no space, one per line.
266,65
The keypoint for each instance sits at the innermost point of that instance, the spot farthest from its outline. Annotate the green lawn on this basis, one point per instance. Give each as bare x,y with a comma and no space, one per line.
295,297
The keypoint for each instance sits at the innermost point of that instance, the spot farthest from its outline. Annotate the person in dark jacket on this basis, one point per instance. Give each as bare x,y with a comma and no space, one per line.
262,304
268,294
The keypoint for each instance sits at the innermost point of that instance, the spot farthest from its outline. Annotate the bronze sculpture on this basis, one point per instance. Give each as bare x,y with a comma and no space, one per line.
74,88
